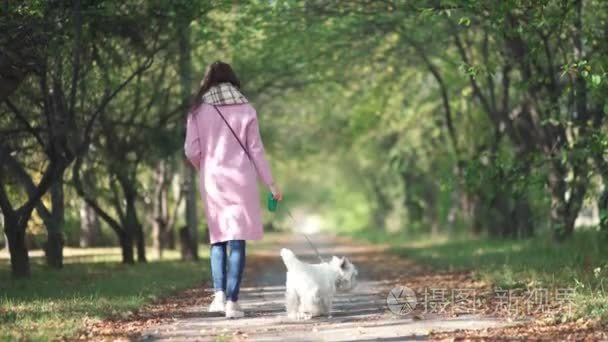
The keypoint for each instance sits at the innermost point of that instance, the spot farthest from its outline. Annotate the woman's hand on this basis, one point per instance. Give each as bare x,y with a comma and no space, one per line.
276,192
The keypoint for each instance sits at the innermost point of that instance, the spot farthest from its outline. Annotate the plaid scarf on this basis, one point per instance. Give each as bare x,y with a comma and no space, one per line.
224,94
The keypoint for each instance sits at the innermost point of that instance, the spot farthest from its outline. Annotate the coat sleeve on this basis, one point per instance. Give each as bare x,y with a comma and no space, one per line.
256,149
192,147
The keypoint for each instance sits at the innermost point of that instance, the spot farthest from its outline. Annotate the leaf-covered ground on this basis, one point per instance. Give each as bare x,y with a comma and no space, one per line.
361,315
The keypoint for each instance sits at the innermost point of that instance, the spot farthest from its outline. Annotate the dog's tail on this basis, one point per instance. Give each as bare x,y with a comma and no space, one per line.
289,259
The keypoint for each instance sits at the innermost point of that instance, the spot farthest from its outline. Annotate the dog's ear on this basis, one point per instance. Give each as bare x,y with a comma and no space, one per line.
344,263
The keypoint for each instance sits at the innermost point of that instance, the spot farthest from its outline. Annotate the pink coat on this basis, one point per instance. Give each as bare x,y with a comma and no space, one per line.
228,181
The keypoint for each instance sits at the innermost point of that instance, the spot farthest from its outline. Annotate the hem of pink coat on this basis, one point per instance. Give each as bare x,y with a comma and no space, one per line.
254,238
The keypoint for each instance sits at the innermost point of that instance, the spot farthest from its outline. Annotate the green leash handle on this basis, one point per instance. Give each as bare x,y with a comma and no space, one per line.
271,203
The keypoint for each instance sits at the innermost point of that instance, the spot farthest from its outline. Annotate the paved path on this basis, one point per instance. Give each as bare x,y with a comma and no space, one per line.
361,315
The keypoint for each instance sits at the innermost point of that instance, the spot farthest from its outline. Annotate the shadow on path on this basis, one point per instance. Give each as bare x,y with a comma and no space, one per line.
360,315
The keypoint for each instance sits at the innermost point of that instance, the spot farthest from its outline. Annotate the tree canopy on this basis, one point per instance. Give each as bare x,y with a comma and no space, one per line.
416,117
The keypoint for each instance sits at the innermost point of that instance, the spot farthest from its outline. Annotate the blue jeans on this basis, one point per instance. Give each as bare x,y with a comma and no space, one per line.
231,283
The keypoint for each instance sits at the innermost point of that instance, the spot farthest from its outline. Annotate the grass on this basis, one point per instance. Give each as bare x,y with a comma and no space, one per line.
52,304
580,263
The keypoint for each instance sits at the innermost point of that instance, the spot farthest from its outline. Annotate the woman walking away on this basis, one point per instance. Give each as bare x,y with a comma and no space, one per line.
223,143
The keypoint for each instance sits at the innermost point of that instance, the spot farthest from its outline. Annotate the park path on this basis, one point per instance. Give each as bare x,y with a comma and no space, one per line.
361,315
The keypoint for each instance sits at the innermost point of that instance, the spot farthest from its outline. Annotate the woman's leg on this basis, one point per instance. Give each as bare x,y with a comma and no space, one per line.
236,260
218,266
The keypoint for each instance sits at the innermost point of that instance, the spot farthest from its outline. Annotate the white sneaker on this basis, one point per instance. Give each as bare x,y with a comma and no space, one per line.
233,310
219,302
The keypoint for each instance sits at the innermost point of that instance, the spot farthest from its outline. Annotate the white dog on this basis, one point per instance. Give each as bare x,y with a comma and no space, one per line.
310,289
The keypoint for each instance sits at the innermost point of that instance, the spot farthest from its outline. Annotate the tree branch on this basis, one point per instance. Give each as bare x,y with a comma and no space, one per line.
24,121
442,90
26,181
90,201
77,18
106,100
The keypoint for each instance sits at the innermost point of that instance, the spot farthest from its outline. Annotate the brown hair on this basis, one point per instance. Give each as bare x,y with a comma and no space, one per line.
216,73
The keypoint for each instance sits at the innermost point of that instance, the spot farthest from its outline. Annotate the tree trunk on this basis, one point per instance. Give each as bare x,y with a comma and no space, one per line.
90,231
126,244
15,235
190,177
496,216
53,248
477,222
455,200
523,218
170,240
430,210
159,236
559,211
602,204
20,262
187,250
141,243
160,211
4,243
191,211
133,228
381,207
410,181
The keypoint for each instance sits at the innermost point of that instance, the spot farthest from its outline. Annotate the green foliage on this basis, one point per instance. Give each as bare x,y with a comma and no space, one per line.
413,116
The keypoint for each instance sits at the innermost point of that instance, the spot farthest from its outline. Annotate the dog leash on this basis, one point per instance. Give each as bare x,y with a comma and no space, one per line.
313,247
272,205
271,199
306,236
